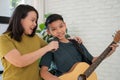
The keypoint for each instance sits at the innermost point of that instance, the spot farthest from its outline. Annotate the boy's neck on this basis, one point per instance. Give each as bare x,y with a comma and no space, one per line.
65,40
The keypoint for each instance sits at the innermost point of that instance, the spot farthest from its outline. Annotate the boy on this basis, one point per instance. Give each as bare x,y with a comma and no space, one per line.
66,55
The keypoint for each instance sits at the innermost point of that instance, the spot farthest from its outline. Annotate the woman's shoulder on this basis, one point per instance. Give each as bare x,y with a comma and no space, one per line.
5,36
37,36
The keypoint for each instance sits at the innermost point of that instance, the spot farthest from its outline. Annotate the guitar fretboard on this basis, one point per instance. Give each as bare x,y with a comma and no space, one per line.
94,65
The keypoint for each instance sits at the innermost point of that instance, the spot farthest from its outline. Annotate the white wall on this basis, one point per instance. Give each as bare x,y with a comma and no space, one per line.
39,5
95,21
4,11
4,7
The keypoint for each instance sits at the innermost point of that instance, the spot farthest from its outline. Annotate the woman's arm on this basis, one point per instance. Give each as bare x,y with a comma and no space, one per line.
18,60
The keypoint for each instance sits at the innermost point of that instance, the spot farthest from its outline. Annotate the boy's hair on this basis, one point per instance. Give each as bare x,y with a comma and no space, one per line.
52,18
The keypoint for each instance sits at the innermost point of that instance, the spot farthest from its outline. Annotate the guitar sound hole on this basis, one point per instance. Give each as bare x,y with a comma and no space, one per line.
82,77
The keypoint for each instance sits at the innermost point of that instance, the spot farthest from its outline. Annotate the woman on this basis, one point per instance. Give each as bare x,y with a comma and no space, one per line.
21,48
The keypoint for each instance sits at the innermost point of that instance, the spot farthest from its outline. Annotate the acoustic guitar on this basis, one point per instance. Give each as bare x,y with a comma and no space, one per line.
84,71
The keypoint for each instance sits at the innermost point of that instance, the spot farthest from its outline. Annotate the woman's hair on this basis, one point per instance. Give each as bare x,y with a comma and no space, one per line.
52,18
15,27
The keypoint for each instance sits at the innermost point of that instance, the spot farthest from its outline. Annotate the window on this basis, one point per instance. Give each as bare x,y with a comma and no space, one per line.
14,3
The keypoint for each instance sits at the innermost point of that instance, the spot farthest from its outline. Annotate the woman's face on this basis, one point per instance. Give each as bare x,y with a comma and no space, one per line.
29,22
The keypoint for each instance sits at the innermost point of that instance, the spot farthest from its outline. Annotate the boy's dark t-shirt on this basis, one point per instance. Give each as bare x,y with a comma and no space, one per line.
64,58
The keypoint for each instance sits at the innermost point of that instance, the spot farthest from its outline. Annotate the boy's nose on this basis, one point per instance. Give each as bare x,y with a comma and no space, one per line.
58,30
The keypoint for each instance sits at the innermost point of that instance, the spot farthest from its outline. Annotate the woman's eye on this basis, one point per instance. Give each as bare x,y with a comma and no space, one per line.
32,20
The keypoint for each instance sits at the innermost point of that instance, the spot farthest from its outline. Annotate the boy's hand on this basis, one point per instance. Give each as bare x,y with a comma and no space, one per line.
53,78
114,46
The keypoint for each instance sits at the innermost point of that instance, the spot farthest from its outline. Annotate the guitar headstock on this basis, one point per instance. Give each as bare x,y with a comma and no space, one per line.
117,37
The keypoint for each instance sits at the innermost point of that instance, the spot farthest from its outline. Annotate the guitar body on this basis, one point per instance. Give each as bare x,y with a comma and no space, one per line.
76,70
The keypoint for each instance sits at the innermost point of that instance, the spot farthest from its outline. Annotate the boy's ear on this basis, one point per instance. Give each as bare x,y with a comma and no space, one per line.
48,32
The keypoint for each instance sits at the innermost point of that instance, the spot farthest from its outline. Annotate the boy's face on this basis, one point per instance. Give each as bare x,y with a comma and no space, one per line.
57,29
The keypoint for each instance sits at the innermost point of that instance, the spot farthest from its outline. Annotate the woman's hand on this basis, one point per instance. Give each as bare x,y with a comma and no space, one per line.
78,39
53,45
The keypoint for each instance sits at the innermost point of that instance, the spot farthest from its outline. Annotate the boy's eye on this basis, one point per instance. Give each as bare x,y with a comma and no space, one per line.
61,26
53,29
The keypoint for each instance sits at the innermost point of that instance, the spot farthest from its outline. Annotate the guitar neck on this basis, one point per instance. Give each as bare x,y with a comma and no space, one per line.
94,65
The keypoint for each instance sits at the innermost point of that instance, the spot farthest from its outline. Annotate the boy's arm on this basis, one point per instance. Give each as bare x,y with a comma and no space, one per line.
46,75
